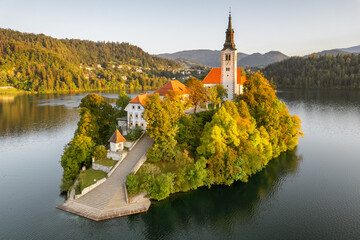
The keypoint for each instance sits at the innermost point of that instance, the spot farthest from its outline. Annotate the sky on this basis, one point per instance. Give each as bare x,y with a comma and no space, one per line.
295,28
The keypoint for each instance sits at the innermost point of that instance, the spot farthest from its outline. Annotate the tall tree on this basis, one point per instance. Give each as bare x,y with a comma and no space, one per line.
197,95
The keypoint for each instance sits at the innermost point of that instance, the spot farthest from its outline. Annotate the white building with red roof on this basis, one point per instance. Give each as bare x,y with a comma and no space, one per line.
229,75
135,111
136,107
117,142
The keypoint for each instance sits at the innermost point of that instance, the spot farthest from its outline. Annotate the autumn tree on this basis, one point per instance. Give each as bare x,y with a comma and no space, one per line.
197,94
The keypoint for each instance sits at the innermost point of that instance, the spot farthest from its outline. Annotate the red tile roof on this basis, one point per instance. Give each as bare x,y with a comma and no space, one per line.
173,85
140,99
117,137
214,77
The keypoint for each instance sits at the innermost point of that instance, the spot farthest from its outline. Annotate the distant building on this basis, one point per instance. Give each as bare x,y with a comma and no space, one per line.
173,86
229,75
136,107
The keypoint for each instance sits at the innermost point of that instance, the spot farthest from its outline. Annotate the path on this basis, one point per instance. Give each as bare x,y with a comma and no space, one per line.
108,199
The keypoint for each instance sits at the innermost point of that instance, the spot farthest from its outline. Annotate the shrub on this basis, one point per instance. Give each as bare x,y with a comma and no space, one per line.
134,134
100,152
132,184
162,187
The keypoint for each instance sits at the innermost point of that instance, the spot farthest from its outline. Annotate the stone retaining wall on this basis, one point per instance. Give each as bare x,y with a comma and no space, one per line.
100,167
114,155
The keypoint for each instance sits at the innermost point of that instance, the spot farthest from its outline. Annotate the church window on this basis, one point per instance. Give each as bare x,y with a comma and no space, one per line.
227,57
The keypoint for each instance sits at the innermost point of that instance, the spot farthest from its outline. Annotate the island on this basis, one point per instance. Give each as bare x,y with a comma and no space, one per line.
222,129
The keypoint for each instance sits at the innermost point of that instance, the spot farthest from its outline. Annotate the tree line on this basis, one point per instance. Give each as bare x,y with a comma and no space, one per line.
321,72
38,63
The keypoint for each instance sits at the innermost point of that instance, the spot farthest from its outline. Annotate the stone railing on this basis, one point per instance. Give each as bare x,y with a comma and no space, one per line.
131,145
139,164
126,194
117,164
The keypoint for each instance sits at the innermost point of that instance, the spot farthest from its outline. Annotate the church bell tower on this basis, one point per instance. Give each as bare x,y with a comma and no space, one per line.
229,62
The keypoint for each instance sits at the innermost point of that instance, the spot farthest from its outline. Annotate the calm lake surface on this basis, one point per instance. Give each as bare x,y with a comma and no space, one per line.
310,193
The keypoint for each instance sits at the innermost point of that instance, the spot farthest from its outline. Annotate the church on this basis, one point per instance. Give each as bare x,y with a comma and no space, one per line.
229,75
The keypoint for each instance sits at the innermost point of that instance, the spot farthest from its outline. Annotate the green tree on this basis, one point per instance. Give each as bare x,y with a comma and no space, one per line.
122,102
99,152
102,116
76,154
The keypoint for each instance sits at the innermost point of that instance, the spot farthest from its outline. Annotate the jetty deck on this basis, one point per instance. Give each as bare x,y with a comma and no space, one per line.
108,200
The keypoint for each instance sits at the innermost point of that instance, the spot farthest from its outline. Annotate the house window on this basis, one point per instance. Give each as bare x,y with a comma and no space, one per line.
142,124
227,85
139,107
228,69
227,57
133,107
131,124
136,116
130,115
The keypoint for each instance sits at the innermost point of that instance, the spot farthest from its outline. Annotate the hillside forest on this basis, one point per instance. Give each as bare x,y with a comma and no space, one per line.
318,72
38,63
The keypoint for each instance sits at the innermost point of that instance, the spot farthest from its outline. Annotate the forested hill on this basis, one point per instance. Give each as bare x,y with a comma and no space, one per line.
35,62
341,71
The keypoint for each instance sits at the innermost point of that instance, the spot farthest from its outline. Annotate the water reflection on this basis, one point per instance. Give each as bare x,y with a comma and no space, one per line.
24,113
221,206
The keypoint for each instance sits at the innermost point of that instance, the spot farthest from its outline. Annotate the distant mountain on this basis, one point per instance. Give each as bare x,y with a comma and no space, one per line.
202,56
337,51
262,60
212,57
188,64
333,52
355,49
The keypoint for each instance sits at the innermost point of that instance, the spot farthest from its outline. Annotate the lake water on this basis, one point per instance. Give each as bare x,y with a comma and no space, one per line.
310,193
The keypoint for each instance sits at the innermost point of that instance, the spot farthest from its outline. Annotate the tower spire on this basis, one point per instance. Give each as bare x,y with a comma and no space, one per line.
229,42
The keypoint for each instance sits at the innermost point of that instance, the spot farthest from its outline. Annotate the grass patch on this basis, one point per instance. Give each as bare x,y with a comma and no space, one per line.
10,90
106,162
166,167
86,178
